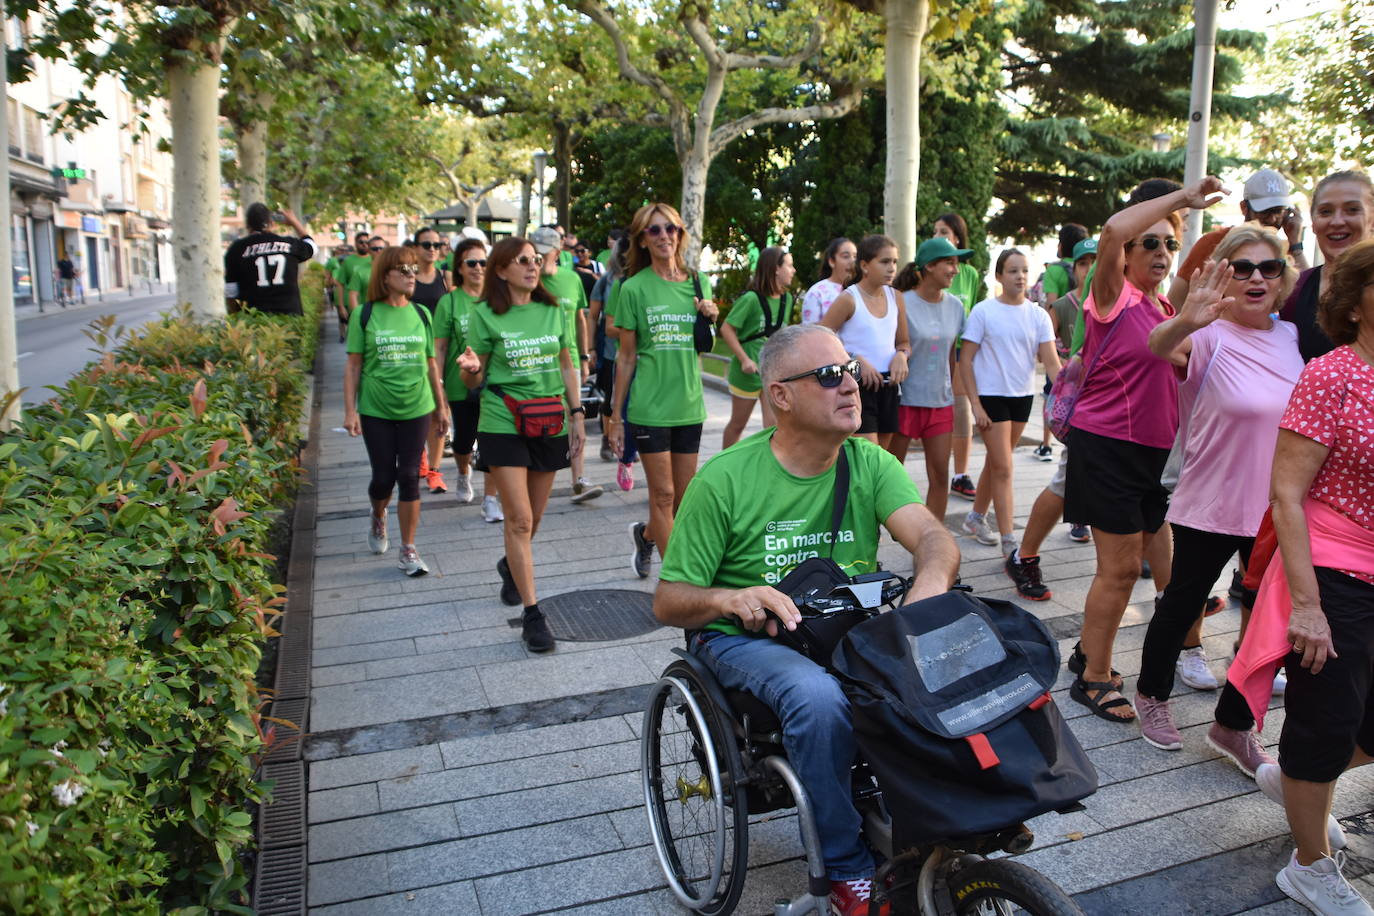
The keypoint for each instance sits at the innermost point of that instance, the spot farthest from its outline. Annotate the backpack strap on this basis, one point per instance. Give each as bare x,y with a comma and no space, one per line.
366,316
841,496
771,327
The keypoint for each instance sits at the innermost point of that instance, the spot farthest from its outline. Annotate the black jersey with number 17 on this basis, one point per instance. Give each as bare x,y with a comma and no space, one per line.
261,270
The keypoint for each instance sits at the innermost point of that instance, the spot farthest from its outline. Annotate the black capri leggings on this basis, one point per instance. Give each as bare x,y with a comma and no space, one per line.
393,448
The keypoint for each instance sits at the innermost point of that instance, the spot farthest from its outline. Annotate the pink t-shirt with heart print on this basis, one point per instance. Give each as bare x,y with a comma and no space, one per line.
1333,404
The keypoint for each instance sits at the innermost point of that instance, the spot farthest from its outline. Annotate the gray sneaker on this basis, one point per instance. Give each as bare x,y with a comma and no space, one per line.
980,529
463,488
1269,778
1321,887
1157,723
643,558
376,534
491,510
585,491
410,562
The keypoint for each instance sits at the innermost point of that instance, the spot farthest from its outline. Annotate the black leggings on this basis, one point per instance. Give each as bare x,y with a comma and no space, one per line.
1199,558
393,448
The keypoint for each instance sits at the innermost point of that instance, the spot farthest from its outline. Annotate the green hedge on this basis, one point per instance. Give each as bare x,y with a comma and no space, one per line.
135,598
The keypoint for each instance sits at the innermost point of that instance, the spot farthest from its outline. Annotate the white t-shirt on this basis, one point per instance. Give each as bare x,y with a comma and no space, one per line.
817,300
1008,338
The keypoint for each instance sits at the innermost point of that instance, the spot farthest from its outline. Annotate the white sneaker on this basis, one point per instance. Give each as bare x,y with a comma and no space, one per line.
463,488
410,562
491,510
376,533
1280,684
1193,669
1321,887
584,490
1269,778
980,529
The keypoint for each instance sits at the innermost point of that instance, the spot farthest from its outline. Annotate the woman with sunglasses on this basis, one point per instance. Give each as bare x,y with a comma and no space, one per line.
871,324
430,287
755,316
392,396
658,370
1123,426
837,272
450,340
519,345
1237,367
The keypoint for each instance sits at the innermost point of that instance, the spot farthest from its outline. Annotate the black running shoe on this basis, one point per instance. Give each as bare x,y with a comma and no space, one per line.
1237,589
643,557
509,593
534,630
1026,575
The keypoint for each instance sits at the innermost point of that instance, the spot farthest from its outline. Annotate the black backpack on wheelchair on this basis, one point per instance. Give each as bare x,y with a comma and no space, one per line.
952,711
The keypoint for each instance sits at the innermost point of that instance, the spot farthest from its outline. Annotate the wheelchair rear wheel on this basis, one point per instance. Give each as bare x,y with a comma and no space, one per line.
997,887
698,813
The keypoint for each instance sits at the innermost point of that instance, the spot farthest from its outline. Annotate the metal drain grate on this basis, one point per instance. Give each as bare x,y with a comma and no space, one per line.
288,741
293,662
279,885
598,615
282,821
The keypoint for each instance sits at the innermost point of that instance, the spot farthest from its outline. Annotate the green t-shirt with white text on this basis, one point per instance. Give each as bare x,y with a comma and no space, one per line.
523,345
566,286
396,349
451,324
746,521
666,390
747,318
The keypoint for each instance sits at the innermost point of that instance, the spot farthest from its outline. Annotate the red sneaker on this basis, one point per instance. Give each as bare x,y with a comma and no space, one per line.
850,898
436,482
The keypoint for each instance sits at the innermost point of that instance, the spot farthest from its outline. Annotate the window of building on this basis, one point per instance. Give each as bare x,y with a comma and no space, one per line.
22,277
33,135
12,108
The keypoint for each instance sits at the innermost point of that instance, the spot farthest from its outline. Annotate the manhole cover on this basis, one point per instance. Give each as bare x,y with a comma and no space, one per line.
598,615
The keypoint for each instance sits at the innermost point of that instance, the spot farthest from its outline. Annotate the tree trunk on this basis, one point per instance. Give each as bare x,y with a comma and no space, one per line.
906,26
474,204
193,89
562,161
694,171
252,143
523,226
295,201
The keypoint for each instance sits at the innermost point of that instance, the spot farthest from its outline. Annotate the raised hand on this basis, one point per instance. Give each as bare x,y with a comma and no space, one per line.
1207,299
1203,193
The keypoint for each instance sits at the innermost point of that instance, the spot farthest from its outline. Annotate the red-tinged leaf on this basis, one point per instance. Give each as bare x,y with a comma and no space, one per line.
218,449
247,436
199,399
226,513
148,435
177,476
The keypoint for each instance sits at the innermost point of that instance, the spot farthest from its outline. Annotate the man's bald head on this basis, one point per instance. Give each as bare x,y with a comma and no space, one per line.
789,351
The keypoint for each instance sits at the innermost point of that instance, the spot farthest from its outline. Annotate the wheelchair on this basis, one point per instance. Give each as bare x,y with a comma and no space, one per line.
711,758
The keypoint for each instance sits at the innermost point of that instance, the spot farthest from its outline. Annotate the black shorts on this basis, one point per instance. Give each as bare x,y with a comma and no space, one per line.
879,409
680,440
465,416
1005,409
1114,485
507,450
1328,714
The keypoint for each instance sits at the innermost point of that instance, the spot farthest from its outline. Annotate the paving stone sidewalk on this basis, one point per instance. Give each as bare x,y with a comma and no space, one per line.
450,771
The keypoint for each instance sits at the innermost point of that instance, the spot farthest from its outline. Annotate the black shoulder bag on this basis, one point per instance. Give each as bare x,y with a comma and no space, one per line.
704,331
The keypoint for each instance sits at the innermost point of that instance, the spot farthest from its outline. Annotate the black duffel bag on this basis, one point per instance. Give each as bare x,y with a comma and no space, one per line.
952,711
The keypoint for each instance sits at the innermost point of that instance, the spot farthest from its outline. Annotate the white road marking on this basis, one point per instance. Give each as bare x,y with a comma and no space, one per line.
24,354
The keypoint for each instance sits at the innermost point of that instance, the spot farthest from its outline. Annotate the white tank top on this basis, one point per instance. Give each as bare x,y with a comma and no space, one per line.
875,339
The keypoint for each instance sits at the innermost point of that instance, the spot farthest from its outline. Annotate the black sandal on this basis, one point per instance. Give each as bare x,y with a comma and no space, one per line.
1096,704
1078,662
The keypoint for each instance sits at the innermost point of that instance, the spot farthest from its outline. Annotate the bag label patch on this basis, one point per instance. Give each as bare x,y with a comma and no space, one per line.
972,714
955,651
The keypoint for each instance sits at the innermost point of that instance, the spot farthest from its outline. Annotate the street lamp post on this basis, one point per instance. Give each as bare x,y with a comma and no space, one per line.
541,158
1200,107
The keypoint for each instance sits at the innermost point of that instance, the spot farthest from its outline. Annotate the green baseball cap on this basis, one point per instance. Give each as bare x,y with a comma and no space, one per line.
935,249
1084,248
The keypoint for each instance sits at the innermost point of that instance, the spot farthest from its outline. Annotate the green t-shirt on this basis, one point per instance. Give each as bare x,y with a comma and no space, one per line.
566,286
396,353
451,324
357,272
604,257
1055,280
523,345
746,317
666,390
965,286
747,521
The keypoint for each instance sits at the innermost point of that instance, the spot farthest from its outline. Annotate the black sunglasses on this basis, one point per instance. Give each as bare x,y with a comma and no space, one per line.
829,376
1152,242
376,248
657,229
474,262
432,246
1271,269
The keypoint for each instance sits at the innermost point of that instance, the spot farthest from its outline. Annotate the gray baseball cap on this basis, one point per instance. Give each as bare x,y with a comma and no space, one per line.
1265,190
545,239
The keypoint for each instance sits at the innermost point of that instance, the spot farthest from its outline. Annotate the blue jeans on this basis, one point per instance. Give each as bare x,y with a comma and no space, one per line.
817,734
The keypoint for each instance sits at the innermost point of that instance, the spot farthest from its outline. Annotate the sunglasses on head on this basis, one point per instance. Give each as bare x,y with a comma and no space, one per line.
1152,243
431,246
474,262
829,376
1270,269
525,260
668,229
409,270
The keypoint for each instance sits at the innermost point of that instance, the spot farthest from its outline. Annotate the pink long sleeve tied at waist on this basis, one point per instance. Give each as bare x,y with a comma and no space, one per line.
1338,543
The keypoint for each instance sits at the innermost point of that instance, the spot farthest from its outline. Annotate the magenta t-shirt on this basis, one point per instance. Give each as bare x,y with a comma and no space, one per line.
1238,385
1130,393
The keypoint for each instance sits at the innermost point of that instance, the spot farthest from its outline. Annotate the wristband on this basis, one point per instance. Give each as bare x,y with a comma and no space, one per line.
578,409
1297,246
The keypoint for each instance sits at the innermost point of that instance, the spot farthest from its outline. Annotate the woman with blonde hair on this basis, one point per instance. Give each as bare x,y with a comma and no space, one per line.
658,369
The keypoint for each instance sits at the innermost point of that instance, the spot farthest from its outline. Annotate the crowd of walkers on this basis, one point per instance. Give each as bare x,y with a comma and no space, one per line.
1222,409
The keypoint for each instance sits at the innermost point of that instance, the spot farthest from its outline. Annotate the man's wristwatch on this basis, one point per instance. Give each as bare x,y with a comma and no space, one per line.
578,409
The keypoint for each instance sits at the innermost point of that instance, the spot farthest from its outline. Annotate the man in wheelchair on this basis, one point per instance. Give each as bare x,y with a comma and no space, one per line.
757,510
